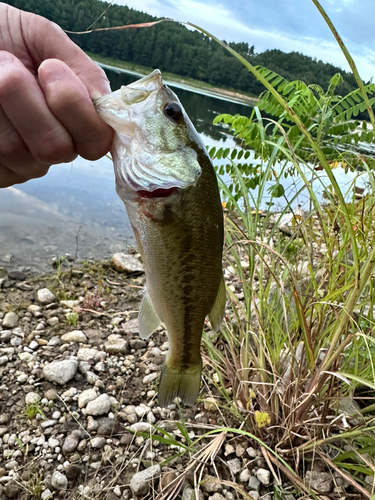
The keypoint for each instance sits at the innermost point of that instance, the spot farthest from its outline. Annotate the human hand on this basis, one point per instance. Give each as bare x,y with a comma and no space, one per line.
46,86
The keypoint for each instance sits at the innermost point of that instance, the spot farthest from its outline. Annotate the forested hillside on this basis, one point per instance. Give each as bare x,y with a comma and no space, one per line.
172,47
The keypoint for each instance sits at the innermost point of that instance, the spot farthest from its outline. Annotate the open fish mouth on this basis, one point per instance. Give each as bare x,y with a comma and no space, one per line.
154,147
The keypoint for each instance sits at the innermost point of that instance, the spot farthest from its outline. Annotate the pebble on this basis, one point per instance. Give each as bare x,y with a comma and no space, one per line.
3,360
131,326
125,263
98,442
10,320
60,372
264,476
99,406
59,481
45,296
88,353
53,442
211,484
320,481
116,344
254,483
87,396
74,336
141,480
244,476
189,494
46,494
234,465
150,378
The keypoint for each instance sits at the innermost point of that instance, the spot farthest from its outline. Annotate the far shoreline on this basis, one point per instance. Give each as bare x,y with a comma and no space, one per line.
217,93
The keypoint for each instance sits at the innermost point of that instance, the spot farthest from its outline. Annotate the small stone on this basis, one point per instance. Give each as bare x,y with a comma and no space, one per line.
74,336
3,360
264,476
150,378
59,481
74,471
251,452
229,449
86,396
244,476
107,426
53,442
116,344
35,310
92,424
11,489
53,321
70,444
32,398
60,372
234,465
211,484
88,353
125,263
254,495
210,404
91,377
131,326
254,483
216,496
141,480
46,494
97,442
137,344
99,406
319,481
10,320
189,494
17,275
45,296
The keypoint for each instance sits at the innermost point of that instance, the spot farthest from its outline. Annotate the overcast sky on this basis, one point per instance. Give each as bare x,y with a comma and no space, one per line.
288,25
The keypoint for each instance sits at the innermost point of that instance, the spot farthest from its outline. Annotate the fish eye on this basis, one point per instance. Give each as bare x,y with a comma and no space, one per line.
172,111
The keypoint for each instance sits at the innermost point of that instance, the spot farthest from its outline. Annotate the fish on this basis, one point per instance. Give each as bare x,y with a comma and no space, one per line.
169,187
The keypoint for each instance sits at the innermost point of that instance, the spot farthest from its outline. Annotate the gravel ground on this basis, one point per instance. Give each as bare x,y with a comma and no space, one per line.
77,383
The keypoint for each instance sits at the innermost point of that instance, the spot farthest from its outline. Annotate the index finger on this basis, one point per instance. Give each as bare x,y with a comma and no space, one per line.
46,40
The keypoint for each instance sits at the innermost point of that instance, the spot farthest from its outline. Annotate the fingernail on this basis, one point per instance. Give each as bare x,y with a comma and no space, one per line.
5,57
52,73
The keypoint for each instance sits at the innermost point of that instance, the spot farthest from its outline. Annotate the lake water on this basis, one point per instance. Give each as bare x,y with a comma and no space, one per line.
75,208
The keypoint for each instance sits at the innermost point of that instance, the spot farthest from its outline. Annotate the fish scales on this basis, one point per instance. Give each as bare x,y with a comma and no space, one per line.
170,190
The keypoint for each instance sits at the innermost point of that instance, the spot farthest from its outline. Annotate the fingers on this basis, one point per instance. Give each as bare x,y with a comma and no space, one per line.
68,99
46,40
24,104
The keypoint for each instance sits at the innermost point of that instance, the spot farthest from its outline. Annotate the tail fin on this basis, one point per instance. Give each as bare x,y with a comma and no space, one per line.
182,383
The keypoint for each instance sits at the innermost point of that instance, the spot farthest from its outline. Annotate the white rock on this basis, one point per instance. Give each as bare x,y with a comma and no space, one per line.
74,336
25,356
22,378
140,481
45,296
97,442
33,345
46,494
3,360
10,320
125,263
32,398
264,476
53,442
141,427
86,396
59,481
60,372
99,406
34,309
116,344
150,378
87,353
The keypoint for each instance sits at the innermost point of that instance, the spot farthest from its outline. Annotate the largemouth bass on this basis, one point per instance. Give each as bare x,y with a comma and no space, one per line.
169,187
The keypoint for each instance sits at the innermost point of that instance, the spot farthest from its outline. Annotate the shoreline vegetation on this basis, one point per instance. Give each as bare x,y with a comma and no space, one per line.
174,80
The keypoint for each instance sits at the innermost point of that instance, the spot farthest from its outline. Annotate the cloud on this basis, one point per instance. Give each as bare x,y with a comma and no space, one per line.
293,25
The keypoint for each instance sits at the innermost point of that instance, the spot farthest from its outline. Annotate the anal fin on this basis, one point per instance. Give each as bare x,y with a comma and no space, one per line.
148,319
217,312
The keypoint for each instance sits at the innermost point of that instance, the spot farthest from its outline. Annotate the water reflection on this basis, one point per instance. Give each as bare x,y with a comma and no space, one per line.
75,209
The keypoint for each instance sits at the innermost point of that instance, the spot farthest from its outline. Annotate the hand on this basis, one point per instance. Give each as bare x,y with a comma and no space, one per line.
46,86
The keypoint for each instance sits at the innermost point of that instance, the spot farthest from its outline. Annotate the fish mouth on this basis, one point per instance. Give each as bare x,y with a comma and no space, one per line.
139,91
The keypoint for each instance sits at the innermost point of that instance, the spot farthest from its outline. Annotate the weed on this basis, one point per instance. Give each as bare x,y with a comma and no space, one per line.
32,410
72,318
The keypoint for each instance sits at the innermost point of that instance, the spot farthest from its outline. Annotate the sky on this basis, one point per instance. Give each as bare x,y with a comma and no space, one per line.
288,25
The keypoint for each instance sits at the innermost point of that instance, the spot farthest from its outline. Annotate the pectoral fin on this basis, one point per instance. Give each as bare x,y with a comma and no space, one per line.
217,312
148,319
